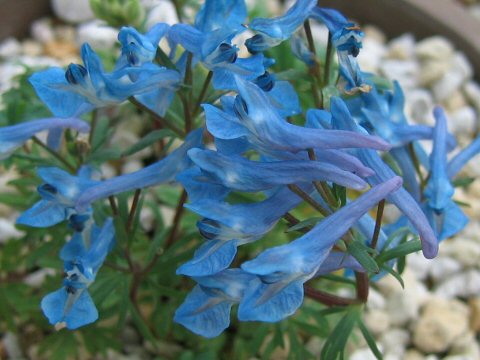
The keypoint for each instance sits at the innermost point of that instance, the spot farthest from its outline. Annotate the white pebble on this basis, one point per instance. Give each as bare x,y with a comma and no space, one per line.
8,230
433,70
447,84
371,55
466,251
377,321
73,11
435,47
463,121
12,346
362,354
394,342
419,105
10,48
31,48
460,285
375,300
37,278
472,93
405,72
42,30
440,324
163,12
402,47
97,34
461,64
442,267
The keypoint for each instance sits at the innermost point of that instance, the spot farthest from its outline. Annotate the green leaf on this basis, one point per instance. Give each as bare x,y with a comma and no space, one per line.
399,251
103,131
395,274
361,253
141,324
14,200
5,311
339,279
340,194
370,340
156,244
148,140
304,224
60,345
463,182
163,59
103,155
334,347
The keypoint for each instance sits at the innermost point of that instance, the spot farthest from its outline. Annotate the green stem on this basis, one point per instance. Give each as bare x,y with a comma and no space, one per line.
133,210
328,60
157,117
308,199
416,164
186,101
378,224
178,10
203,92
59,157
362,286
322,187
179,211
326,298
113,205
314,68
93,127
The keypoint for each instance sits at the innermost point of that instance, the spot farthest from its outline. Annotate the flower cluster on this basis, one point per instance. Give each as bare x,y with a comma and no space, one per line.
256,141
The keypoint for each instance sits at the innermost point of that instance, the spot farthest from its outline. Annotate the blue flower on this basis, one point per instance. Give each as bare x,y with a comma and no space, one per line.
346,37
217,14
59,192
215,51
72,306
138,49
445,216
85,87
197,189
284,269
254,118
216,24
206,310
226,226
12,137
301,51
465,155
401,198
160,172
235,172
274,31
382,114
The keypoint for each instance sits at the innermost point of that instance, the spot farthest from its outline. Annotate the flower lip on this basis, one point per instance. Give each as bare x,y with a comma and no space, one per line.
75,74
206,224
240,107
265,81
47,191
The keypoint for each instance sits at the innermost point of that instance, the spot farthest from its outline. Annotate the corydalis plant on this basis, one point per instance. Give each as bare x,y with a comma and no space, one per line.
226,145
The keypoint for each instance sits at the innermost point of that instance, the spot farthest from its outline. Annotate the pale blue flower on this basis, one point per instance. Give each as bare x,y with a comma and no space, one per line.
275,30
284,269
12,137
206,310
72,305
84,87
59,192
163,171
